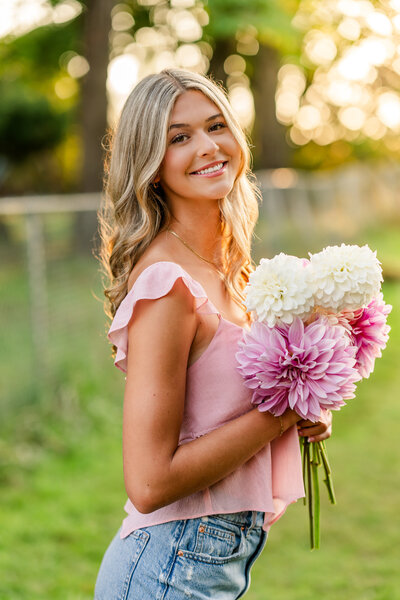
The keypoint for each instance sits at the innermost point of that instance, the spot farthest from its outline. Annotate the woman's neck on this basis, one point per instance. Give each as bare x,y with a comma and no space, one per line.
201,233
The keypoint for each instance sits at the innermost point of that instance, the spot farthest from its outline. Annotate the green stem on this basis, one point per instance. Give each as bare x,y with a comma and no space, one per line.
303,443
315,483
328,474
310,496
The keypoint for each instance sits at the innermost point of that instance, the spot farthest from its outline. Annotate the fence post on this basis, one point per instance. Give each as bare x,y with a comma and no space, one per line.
38,294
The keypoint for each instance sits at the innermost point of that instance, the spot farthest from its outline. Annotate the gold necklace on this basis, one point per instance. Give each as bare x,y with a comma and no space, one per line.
196,253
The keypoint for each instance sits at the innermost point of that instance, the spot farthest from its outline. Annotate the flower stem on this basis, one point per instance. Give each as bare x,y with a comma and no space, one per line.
303,443
310,495
315,483
314,455
328,474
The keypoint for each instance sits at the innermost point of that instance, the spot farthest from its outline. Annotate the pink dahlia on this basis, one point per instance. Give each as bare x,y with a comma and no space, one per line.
369,332
304,368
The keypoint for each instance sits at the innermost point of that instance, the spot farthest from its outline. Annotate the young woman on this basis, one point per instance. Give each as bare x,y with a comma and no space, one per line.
206,474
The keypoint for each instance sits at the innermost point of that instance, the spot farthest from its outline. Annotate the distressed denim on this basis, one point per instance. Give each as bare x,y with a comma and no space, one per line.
200,559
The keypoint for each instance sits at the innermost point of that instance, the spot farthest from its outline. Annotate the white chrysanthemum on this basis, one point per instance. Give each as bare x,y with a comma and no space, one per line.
345,277
280,289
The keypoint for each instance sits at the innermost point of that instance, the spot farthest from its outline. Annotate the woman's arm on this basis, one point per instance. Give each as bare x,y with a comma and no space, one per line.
157,471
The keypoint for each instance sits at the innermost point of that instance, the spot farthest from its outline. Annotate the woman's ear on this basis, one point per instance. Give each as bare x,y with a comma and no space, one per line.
156,182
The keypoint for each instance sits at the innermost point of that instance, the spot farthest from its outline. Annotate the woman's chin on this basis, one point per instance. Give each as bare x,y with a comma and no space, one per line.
216,191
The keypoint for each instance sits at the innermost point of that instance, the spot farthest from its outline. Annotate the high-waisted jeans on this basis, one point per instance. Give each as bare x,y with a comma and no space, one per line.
200,559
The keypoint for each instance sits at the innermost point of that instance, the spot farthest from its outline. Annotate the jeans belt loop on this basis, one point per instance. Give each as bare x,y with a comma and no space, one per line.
253,519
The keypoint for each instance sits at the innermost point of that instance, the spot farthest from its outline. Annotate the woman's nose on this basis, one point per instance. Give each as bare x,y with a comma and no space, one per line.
206,145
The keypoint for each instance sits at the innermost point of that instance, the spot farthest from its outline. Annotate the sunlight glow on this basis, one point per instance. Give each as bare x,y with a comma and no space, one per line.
376,50
355,8
78,66
182,3
287,105
148,36
388,110
163,60
352,91
18,17
242,102
321,49
186,26
122,20
247,42
374,128
353,65
341,92
379,23
349,29
234,64
66,11
396,23
122,74
325,135
352,117
188,56
308,117
284,178
299,137
293,78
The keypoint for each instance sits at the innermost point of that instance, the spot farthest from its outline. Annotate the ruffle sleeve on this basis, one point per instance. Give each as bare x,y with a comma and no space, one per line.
154,282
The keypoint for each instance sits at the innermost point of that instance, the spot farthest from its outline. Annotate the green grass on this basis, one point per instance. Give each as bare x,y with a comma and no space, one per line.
62,496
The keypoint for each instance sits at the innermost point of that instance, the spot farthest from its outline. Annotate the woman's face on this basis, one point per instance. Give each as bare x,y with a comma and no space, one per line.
202,158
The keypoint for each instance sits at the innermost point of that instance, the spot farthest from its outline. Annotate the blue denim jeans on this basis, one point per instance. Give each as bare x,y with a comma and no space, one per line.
199,559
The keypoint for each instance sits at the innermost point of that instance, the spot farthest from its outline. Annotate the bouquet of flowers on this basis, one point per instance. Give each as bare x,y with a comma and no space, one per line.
318,326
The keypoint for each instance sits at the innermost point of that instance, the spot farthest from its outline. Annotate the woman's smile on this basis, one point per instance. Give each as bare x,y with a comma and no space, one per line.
212,170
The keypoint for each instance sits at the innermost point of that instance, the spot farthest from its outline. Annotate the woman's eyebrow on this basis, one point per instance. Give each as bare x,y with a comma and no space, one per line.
187,125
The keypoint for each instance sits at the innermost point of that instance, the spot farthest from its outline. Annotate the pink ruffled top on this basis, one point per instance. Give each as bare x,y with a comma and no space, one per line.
215,394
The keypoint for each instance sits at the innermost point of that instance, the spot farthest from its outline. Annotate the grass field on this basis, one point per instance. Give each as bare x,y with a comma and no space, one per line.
62,492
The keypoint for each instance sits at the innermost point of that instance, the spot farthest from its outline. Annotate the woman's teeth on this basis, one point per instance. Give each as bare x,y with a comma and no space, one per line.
210,169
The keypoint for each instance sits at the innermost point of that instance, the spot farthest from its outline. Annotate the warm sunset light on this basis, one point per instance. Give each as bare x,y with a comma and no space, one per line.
18,17
355,61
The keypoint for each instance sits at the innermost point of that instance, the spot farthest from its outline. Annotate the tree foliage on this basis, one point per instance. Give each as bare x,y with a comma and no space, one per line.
271,18
28,122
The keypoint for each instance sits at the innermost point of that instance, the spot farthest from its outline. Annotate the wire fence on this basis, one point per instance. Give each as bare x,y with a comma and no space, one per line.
52,319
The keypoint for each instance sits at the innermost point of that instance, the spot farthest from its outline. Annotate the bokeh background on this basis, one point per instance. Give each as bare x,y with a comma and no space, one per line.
316,84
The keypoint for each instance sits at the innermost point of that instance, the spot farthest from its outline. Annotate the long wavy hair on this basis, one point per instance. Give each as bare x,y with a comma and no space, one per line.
135,211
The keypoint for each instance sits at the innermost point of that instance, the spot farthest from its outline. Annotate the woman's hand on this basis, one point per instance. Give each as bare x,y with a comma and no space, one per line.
316,432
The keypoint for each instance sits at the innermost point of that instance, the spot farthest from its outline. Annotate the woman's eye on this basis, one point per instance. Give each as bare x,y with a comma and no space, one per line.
178,138
217,126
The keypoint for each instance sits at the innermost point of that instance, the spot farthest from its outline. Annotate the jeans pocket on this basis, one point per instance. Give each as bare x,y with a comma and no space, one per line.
216,541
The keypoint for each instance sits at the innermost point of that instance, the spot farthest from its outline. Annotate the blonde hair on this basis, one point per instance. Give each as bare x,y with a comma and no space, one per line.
135,211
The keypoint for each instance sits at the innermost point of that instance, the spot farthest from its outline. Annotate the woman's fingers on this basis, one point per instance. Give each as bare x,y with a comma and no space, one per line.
316,429
316,432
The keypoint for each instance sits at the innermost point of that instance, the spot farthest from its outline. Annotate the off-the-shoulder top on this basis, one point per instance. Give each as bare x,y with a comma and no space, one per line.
215,394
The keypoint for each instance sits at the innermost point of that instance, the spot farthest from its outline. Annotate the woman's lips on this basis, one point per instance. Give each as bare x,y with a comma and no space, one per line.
211,173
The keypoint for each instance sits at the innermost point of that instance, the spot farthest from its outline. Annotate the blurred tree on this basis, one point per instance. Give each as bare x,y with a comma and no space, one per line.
93,108
261,32
96,31
28,122
38,107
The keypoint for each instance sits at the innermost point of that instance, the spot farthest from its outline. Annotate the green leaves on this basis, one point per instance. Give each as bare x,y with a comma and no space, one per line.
270,18
28,122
